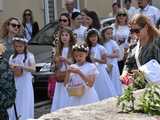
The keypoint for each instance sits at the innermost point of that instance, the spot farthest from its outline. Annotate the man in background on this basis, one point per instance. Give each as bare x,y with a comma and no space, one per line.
70,6
148,10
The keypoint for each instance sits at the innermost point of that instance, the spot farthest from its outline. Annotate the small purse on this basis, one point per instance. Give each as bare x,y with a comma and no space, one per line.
76,90
60,75
18,72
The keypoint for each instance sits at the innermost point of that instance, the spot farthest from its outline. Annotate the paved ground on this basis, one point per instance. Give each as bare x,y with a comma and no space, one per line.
41,110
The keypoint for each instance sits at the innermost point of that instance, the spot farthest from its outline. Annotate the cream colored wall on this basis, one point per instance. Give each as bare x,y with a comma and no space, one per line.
15,8
102,7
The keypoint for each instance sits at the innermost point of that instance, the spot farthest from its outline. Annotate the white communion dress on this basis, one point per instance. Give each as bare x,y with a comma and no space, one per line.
103,84
60,98
24,95
90,94
110,46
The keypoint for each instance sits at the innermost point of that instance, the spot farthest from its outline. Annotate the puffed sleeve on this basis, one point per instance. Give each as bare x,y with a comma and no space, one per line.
93,70
31,60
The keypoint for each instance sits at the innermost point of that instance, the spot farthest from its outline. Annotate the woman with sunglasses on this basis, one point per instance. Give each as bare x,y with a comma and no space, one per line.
9,29
148,43
30,26
64,20
121,34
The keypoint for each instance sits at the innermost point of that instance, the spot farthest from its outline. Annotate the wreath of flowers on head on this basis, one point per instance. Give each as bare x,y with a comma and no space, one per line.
20,39
80,47
93,29
105,28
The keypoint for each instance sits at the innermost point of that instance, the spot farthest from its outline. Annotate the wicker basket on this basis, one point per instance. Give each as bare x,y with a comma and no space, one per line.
77,90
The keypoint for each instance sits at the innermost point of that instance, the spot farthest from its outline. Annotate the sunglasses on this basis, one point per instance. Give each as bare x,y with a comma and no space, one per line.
62,20
122,14
15,25
135,30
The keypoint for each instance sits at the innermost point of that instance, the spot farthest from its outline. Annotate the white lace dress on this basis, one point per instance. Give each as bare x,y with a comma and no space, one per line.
24,95
110,46
60,98
103,84
90,95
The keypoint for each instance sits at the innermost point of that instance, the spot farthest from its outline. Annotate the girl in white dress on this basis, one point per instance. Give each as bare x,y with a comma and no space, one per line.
22,63
82,73
62,60
112,49
103,84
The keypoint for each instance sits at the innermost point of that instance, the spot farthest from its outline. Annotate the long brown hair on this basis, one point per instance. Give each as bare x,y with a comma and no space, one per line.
4,29
89,34
20,36
142,20
24,16
61,45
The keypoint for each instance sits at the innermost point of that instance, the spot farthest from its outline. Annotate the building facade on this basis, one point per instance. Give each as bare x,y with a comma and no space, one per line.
46,11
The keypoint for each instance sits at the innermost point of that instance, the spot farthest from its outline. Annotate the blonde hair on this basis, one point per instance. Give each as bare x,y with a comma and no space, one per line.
2,48
121,11
141,21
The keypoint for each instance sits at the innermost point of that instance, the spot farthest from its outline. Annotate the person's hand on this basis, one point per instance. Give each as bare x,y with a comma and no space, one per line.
13,66
74,70
62,59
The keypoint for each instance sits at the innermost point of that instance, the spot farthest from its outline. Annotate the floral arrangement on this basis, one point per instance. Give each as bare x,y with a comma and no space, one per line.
149,102
126,101
137,79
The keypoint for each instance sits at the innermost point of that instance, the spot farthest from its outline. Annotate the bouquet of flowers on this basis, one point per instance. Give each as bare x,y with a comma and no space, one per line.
136,78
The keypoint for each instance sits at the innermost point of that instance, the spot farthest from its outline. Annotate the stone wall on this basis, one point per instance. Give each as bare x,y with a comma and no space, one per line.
103,110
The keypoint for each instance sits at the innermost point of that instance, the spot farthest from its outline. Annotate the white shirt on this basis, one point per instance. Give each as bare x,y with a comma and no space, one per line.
65,55
152,12
80,33
121,33
131,12
74,10
28,31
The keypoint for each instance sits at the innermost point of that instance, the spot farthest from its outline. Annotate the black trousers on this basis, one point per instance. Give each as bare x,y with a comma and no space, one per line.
121,65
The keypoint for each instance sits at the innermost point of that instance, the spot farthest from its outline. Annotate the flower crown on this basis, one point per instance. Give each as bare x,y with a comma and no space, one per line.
20,39
93,29
80,47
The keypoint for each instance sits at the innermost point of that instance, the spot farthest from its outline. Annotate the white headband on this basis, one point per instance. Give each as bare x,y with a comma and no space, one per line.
20,39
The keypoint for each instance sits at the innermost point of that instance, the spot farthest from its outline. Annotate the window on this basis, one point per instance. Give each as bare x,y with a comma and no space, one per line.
1,5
